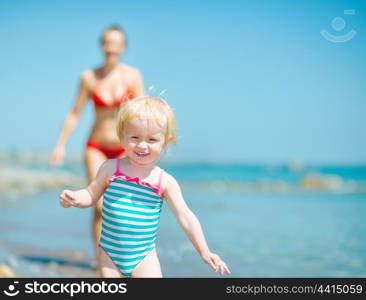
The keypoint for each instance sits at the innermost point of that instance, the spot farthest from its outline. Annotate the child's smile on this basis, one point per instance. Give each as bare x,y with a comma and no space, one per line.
143,141
140,154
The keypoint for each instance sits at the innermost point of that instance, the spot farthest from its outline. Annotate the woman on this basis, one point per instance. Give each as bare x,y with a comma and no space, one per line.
108,87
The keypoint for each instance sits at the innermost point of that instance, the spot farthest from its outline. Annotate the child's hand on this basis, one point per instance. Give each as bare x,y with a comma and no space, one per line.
67,199
215,262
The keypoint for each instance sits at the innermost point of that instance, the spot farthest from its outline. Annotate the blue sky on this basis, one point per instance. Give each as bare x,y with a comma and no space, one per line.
250,81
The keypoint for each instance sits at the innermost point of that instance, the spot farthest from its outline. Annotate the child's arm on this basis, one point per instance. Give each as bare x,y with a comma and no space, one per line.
190,224
89,196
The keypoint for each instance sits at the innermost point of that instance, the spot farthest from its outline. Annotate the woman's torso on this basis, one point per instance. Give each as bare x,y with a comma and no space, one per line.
108,92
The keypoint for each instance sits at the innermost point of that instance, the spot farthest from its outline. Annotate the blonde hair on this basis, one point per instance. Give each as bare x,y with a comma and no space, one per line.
150,109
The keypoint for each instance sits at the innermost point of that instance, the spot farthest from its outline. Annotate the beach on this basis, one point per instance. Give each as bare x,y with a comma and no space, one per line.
263,220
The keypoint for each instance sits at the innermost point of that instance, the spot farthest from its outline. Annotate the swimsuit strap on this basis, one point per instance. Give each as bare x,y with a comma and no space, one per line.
160,177
118,163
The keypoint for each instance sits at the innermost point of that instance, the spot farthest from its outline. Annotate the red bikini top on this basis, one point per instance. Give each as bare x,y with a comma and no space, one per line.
99,102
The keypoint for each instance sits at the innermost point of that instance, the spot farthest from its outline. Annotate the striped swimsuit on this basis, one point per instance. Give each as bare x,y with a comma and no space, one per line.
130,218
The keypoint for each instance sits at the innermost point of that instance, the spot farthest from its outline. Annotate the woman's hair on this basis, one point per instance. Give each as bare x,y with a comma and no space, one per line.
113,28
150,109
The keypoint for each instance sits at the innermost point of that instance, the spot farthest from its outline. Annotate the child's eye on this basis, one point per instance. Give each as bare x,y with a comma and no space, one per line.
134,137
153,140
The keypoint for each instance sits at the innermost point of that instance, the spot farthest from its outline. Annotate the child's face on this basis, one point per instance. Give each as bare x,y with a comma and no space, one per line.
143,141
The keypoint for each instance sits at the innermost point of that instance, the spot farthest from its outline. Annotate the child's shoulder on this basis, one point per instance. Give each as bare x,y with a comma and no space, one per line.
110,163
108,167
167,179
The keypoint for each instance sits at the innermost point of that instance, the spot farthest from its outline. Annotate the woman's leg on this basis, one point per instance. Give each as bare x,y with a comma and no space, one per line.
93,160
148,267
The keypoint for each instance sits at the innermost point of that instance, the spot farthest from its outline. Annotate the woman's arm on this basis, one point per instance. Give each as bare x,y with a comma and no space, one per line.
190,224
71,119
89,196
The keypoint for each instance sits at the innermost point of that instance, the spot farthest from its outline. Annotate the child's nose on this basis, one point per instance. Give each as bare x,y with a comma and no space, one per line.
142,144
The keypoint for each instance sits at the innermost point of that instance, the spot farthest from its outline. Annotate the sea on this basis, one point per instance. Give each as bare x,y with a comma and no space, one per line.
263,220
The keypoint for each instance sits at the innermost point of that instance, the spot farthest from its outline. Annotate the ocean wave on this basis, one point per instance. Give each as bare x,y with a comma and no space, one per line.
20,181
25,178
311,182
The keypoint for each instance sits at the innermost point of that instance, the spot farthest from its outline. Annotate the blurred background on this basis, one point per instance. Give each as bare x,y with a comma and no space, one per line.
271,155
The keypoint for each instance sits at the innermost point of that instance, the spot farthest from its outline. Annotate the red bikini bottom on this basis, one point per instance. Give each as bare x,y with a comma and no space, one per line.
107,151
